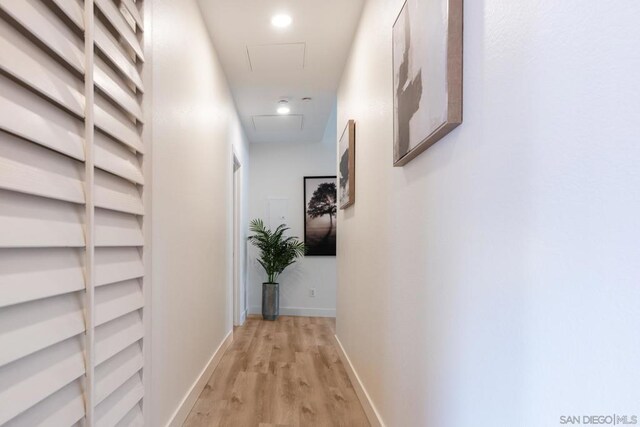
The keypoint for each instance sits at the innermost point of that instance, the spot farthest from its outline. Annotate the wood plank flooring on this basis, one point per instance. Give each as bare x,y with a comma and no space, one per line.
282,373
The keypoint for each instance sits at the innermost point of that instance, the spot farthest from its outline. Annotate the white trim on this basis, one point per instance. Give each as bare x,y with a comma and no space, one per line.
90,226
300,311
180,414
365,400
236,180
147,229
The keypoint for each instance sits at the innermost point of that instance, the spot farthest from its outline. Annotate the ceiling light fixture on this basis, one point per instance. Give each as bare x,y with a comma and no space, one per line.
283,107
281,21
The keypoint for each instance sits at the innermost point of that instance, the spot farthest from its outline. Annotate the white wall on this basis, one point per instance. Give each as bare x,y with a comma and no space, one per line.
194,128
494,280
277,171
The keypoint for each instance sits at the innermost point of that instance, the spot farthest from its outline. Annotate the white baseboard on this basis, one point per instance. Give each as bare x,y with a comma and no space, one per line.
300,311
369,408
180,415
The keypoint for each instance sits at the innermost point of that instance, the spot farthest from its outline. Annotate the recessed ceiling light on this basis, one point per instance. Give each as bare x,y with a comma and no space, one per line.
281,21
284,110
283,107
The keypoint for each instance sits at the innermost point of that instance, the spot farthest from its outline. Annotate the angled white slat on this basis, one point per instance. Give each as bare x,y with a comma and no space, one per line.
117,229
48,28
128,18
63,408
29,221
117,264
73,10
116,19
117,300
113,200
31,274
114,336
25,114
25,179
134,418
29,327
32,379
115,407
134,12
31,169
112,50
117,159
114,372
38,70
112,86
117,194
111,121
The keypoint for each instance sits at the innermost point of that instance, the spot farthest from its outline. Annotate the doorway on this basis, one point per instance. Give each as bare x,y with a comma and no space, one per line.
239,292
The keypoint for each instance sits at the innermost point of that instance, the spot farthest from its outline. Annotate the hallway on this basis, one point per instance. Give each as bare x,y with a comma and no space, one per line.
283,373
439,201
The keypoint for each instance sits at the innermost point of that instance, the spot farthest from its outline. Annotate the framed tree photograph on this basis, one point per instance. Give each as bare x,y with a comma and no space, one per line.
320,208
427,75
347,152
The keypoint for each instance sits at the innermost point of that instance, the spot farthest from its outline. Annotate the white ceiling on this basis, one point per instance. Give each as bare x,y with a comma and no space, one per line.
265,64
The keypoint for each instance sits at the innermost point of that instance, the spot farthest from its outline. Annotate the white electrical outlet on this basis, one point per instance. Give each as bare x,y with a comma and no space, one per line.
312,292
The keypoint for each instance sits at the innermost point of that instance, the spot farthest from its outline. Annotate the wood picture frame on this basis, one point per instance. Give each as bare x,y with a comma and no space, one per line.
320,226
427,78
347,166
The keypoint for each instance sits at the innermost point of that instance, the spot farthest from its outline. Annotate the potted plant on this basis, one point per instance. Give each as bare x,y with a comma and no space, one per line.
276,254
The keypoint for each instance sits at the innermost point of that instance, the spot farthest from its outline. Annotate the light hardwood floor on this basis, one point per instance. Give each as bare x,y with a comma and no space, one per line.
282,373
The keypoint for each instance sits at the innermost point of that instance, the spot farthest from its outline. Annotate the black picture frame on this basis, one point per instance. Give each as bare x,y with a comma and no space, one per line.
319,237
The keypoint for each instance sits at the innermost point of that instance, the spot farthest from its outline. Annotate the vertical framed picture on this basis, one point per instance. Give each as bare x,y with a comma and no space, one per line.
347,152
320,208
427,75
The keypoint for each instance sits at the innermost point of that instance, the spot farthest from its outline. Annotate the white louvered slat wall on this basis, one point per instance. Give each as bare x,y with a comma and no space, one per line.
72,276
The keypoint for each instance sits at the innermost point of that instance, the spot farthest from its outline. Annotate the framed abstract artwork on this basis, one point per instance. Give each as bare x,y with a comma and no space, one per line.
427,75
320,201
347,153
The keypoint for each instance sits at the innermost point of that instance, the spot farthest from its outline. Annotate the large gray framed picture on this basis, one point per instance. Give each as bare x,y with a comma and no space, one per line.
427,75
347,166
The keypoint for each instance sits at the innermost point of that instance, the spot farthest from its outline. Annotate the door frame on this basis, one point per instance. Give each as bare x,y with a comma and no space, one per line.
238,313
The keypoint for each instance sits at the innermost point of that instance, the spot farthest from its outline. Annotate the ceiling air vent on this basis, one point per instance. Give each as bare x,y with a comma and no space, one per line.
277,56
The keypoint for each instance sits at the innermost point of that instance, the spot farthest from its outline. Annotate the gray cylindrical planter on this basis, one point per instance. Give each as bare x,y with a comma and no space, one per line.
270,301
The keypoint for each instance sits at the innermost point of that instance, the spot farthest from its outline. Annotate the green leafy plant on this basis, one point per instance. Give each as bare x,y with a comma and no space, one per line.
276,251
